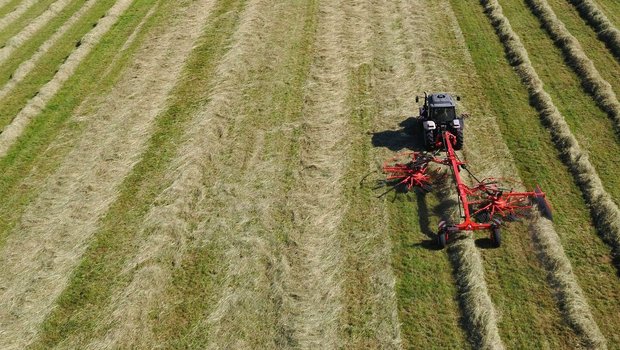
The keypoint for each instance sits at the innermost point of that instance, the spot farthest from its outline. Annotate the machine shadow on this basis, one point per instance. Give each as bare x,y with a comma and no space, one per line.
409,137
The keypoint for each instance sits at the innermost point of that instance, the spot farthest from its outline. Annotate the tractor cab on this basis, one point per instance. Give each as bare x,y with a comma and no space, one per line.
438,114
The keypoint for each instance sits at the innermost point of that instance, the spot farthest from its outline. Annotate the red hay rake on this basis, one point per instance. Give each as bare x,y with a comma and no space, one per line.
484,206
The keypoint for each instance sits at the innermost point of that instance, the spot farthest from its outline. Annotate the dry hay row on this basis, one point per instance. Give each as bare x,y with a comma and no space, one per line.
132,37
15,14
4,2
591,79
56,226
315,253
570,296
13,131
177,214
370,318
31,29
605,30
27,66
478,309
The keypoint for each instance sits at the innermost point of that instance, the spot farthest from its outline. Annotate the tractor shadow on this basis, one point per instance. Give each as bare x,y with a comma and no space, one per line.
409,136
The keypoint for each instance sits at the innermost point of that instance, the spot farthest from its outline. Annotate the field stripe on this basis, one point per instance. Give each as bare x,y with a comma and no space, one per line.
32,28
573,301
315,253
591,79
29,65
606,31
64,216
79,313
13,131
15,14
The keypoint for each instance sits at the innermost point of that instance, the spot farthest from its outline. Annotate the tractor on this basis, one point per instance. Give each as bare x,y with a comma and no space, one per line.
437,115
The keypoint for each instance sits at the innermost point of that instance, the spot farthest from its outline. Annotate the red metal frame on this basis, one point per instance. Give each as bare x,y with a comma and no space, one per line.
486,194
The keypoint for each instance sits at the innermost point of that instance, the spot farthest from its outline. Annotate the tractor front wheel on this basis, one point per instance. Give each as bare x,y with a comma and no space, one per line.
496,236
459,139
429,140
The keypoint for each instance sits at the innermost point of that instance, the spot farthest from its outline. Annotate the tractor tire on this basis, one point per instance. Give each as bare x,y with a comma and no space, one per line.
459,139
496,236
429,140
442,239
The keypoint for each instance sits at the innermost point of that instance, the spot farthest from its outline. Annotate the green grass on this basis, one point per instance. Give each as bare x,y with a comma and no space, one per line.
19,24
592,127
48,65
595,49
537,161
97,276
27,49
276,100
9,7
31,151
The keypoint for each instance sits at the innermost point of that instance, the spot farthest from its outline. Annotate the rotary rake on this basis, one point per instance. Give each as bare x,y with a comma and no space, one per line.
483,206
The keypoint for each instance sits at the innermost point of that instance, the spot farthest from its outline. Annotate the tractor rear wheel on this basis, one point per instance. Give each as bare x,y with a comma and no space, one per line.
459,139
442,239
496,236
429,140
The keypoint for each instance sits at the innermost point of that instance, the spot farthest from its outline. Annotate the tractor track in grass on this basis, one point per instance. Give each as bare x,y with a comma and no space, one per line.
32,29
57,225
605,30
13,131
604,211
592,81
31,63
16,13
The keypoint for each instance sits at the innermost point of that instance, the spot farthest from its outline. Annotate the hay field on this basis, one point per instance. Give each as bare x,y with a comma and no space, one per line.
198,174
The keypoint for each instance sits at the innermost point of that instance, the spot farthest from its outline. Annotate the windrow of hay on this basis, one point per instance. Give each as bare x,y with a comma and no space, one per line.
27,66
568,292
15,14
13,131
570,296
31,29
55,228
604,211
591,79
477,307
607,32
315,253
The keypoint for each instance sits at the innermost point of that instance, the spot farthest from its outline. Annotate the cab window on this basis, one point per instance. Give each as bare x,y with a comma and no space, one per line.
443,114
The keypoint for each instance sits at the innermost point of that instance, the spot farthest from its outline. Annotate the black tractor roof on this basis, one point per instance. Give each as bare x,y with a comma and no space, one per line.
441,100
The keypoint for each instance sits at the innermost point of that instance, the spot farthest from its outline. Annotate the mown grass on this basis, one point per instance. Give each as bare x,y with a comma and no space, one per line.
603,59
48,65
588,123
24,20
27,49
276,100
33,151
611,9
97,276
537,161
9,7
